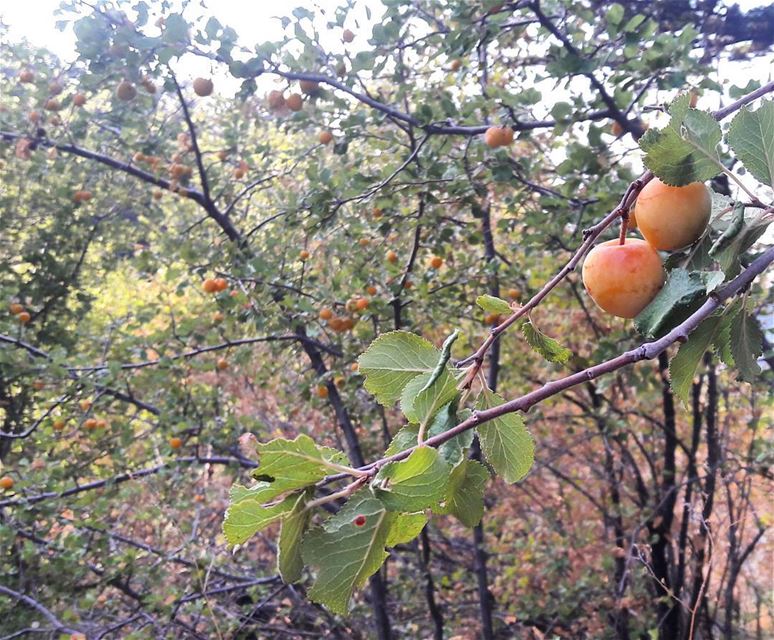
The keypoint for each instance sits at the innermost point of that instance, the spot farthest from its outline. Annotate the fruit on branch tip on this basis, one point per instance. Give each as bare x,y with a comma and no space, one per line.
295,102
309,87
671,218
6,483
126,91
325,137
435,262
175,442
222,364
15,308
616,129
391,256
79,99
276,100
347,36
203,87
623,278
303,254
325,313
24,317
26,76
498,137
321,391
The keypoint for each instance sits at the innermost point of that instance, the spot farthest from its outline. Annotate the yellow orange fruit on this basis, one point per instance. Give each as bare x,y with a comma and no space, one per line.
325,313
325,137
175,442
391,256
321,391
6,483
15,308
435,262
623,278
24,317
671,218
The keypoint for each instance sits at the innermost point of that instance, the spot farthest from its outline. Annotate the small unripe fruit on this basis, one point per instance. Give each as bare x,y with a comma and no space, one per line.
15,308
157,194
202,87
326,314
126,91
354,366
222,364
24,317
436,262
6,483
79,99
175,443
325,137
303,254
294,102
623,278
321,391
391,256
309,87
347,36
671,218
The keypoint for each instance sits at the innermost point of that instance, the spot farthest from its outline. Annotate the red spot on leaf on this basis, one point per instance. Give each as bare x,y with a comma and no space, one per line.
360,521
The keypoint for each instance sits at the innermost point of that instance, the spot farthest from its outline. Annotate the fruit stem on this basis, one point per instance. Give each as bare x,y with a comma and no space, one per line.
624,226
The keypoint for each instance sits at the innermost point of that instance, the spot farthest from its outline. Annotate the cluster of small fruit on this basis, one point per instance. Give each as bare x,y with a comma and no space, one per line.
624,277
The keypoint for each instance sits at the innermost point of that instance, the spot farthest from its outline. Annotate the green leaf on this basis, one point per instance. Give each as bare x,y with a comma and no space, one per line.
683,366
465,492
680,296
685,150
740,235
416,483
392,360
405,527
547,347
298,463
492,304
248,516
505,441
751,136
420,403
343,554
452,450
746,345
294,524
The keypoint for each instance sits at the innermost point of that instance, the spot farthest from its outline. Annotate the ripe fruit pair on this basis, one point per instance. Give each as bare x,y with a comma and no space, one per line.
623,278
214,285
